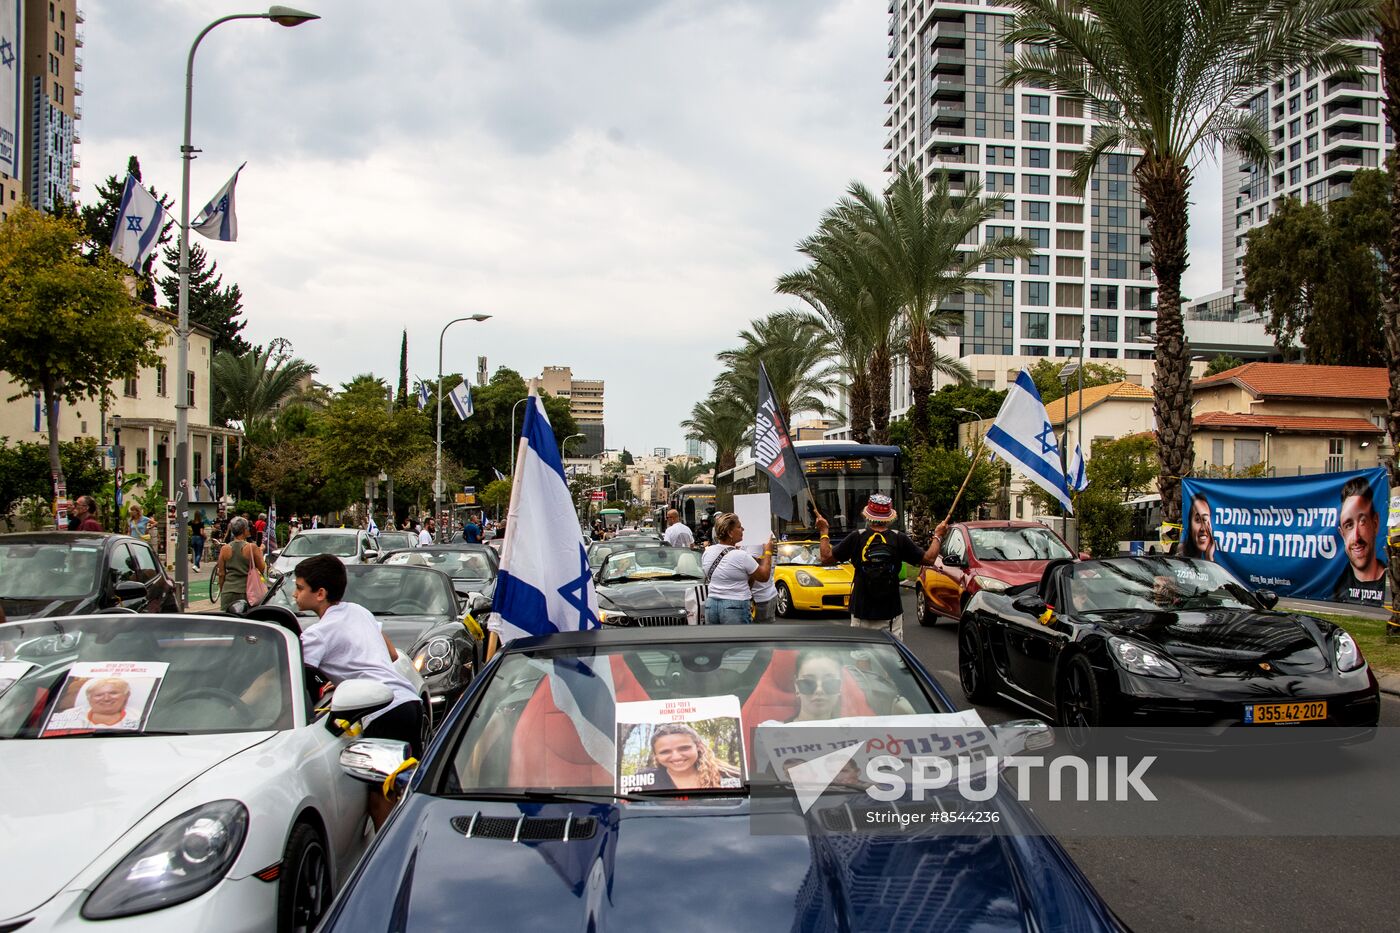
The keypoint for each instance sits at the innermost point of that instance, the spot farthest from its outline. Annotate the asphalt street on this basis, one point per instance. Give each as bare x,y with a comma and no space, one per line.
1219,881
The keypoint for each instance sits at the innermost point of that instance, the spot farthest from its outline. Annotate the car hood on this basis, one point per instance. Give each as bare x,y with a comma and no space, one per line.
840,573
71,799
1228,642
17,609
1012,572
646,594
404,631
697,866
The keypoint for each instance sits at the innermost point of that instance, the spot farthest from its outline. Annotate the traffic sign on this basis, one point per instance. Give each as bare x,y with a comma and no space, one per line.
596,495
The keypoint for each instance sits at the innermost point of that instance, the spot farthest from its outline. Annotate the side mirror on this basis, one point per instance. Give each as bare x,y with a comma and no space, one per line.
355,699
373,760
1085,555
239,607
1267,598
1023,735
1029,604
952,560
128,590
371,556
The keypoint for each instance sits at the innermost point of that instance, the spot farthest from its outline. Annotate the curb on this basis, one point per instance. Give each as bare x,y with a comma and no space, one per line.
1390,683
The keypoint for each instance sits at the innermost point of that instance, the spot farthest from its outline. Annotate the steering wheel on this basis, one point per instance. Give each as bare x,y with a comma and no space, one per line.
235,702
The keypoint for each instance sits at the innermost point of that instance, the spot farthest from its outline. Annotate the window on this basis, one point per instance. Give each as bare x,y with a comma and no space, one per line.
1069,266
1336,455
1294,126
62,20
979,48
1311,167
1071,133
1103,353
161,388
1295,103
1037,293
995,233
979,75
1035,325
1039,236
1135,328
1069,239
189,388
1116,163
1246,454
1038,211
129,387
1311,143
1038,265
1310,120
1008,289
1036,103
141,460
1069,213
1037,158
1103,328
1065,159
1294,150
1294,175
1066,107
1069,295
1037,132
57,93
1068,327
1217,452
1035,351
1312,95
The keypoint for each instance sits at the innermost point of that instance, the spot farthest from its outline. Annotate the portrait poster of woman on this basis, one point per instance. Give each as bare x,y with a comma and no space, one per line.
115,695
666,745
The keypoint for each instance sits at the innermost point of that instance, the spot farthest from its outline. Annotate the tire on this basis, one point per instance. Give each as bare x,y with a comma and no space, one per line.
214,584
304,887
784,608
1078,703
923,611
973,673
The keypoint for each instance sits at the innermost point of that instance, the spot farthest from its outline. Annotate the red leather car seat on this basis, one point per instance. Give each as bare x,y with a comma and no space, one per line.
775,698
547,751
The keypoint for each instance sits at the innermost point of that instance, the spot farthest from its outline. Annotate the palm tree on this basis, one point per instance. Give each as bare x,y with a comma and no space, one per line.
1168,78
1388,16
252,387
723,421
793,352
920,243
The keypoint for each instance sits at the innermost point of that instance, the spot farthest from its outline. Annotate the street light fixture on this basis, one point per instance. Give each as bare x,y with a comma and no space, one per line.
513,439
437,463
564,446
282,16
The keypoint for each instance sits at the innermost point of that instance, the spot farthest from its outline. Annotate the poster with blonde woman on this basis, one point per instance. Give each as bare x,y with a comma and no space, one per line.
677,745
114,695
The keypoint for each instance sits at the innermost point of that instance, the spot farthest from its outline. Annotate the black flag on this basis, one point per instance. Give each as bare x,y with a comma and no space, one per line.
772,449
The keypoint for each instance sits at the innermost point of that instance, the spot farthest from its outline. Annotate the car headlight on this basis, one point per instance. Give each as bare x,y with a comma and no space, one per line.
435,656
991,584
611,616
806,579
180,861
1349,656
1136,659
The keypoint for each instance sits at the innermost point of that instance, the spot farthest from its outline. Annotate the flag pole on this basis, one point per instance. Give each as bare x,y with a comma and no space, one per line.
972,468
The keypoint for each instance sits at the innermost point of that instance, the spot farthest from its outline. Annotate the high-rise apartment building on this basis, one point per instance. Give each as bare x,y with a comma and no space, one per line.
41,85
950,116
1323,129
585,395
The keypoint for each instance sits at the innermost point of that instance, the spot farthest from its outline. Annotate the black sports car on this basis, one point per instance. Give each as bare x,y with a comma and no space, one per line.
646,585
60,573
1163,642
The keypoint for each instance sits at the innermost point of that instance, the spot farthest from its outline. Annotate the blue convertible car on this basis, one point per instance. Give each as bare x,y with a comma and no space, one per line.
602,780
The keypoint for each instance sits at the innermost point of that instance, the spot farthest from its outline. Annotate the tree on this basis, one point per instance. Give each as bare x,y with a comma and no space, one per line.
936,475
679,474
482,443
361,437
1169,79
944,419
251,387
496,495
724,422
99,222
25,472
625,458
1388,18
794,354
1046,376
403,370
1127,465
1314,271
69,327
1222,362
211,305
1103,521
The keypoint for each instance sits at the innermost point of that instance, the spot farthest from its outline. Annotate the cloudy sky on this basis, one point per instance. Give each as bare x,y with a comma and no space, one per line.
618,182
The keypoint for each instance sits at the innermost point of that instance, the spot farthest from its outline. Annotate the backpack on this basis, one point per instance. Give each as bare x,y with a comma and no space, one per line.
880,563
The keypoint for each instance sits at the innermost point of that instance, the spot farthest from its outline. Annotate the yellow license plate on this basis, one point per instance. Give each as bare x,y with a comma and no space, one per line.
1270,713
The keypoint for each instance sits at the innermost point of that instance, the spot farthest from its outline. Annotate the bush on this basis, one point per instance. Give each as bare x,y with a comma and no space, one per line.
1103,520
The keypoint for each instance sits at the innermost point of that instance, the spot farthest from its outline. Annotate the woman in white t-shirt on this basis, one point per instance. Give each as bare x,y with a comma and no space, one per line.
731,573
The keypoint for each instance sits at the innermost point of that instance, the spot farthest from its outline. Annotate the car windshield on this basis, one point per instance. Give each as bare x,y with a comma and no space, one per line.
742,684
390,540
992,544
804,553
128,674
459,565
48,571
599,551
309,544
1152,583
650,563
400,591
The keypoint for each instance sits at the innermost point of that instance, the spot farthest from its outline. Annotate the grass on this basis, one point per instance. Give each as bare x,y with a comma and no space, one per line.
1382,653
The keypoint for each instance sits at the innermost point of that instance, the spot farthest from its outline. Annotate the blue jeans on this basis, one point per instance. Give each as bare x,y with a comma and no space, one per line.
727,611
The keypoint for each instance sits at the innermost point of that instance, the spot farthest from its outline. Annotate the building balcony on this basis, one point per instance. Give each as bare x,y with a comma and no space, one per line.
951,33
1345,163
950,114
1348,133
77,86
949,86
949,61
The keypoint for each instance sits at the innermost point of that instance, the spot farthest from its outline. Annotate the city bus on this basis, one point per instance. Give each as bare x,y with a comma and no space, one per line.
841,475
612,518
693,501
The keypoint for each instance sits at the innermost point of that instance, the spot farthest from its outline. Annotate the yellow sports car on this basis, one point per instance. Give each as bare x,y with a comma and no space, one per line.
804,585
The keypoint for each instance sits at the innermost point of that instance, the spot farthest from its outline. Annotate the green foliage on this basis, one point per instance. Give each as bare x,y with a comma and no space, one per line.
725,422
679,474
106,500
250,387
937,474
1128,465
1316,273
794,353
496,495
361,437
212,306
1223,362
943,418
24,471
483,443
402,398
626,458
69,328
251,506
1103,520
1046,376
1225,471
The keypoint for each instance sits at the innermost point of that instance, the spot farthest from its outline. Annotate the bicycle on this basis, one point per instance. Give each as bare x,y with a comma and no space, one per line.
214,584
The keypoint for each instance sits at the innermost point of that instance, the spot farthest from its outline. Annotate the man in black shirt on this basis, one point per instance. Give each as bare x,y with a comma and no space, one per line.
878,554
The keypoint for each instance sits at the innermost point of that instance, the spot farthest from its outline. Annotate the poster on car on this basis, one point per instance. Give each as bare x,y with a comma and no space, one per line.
683,744
1321,536
98,695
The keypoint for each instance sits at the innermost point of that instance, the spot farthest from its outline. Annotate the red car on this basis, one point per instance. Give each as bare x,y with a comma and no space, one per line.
992,556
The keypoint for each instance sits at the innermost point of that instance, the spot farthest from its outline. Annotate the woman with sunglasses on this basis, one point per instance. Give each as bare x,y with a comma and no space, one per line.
818,687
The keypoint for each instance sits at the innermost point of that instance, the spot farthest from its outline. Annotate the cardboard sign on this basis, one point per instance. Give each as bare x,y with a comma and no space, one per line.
102,695
754,515
665,745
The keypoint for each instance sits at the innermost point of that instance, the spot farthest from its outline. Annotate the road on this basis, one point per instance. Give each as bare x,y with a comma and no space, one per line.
1219,882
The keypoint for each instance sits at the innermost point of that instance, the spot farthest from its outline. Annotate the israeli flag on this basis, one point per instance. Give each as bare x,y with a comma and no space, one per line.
218,221
461,399
140,218
1024,437
544,585
373,529
1078,478
422,395
499,474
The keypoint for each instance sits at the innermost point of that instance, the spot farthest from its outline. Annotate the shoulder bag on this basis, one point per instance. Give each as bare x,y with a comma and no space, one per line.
257,588
695,596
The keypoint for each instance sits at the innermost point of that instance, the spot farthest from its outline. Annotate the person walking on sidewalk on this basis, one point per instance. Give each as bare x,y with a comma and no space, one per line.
878,554
238,558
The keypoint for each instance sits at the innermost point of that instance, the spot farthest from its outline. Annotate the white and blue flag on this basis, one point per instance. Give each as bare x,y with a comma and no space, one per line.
218,221
461,399
499,474
422,395
140,218
1024,437
1078,478
373,529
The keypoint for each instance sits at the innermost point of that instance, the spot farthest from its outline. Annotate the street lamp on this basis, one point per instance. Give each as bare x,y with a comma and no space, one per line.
282,16
437,466
564,445
513,438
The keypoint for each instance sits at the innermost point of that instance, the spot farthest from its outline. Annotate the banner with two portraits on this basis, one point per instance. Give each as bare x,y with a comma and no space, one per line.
1321,536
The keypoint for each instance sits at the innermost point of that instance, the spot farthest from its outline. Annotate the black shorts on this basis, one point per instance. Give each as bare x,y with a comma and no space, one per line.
402,722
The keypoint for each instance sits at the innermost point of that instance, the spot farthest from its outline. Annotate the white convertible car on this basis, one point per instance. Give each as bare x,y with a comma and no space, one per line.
170,772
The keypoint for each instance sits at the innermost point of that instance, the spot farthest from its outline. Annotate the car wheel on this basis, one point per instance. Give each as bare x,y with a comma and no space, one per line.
923,609
784,608
1078,705
304,886
972,664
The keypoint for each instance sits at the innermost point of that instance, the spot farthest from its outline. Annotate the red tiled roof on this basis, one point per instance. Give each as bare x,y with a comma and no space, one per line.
1056,410
1293,424
1304,380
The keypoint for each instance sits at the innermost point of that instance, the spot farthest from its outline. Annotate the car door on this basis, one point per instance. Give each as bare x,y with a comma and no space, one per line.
124,569
944,580
149,572
1032,649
